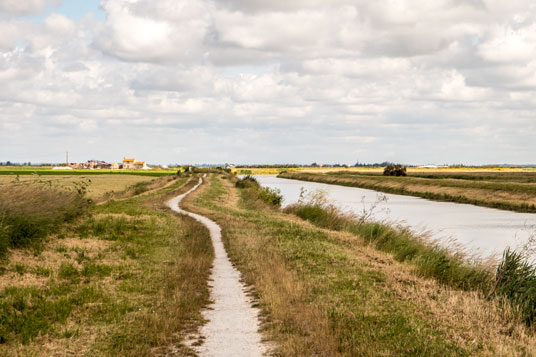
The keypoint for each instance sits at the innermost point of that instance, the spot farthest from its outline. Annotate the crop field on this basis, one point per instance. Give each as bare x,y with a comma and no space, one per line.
511,189
97,186
42,171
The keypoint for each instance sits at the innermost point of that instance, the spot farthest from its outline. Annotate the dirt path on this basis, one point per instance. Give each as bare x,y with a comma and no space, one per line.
233,324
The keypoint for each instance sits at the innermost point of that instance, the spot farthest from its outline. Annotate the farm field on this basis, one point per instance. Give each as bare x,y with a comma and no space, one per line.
41,171
503,189
97,185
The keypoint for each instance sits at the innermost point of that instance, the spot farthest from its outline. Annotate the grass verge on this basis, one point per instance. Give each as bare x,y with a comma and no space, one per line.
430,260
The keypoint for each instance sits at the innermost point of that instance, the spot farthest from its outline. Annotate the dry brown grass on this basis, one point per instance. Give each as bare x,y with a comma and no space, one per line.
98,185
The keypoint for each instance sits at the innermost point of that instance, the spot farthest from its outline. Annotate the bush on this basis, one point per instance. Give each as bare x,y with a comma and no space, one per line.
271,196
268,195
394,170
247,181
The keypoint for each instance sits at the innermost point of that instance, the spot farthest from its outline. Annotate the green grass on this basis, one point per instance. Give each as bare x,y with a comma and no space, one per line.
139,295
514,280
430,260
341,306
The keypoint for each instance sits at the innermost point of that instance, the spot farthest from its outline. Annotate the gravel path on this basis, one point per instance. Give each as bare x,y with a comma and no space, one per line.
233,324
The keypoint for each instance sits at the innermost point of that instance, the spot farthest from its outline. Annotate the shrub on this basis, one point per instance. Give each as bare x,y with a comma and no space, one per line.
394,170
272,196
268,195
247,181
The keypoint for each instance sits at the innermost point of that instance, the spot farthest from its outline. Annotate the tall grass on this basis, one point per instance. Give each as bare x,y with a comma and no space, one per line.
30,212
516,281
431,260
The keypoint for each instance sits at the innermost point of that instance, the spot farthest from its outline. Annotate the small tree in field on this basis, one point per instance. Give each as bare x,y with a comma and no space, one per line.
394,170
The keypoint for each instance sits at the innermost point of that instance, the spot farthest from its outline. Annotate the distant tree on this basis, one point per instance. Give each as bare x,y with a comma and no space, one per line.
394,170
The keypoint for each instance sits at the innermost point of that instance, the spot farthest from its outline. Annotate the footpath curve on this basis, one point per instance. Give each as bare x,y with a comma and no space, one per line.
233,324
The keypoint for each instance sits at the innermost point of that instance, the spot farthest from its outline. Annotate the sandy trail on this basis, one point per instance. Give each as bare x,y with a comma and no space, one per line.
233,324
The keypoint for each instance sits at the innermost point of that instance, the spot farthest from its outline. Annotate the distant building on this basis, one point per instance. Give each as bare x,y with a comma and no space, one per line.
62,168
141,165
128,163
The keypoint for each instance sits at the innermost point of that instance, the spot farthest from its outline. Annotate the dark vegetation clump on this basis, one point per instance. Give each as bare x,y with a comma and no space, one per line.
30,212
267,195
141,187
516,281
247,182
394,170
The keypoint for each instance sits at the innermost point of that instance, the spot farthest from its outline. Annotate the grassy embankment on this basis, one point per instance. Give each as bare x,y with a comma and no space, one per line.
125,277
508,191
329,292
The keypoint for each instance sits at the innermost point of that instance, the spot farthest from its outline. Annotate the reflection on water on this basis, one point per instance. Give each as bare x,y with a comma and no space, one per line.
482,231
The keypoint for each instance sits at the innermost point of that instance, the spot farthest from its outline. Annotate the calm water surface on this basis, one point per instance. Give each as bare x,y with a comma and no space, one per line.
481,231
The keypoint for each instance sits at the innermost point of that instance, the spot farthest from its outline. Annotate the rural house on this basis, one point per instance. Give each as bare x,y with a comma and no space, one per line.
141,165
128,163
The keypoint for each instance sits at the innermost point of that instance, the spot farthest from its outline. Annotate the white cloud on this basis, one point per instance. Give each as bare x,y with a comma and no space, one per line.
286,80
508,45
143,31
25,7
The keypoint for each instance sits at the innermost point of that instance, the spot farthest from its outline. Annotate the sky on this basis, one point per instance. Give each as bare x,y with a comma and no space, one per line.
254,81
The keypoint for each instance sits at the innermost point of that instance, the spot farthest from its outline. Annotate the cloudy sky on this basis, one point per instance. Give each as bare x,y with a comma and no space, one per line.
279,81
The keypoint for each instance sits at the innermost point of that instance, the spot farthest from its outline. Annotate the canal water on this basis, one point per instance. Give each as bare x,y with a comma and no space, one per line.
479,231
